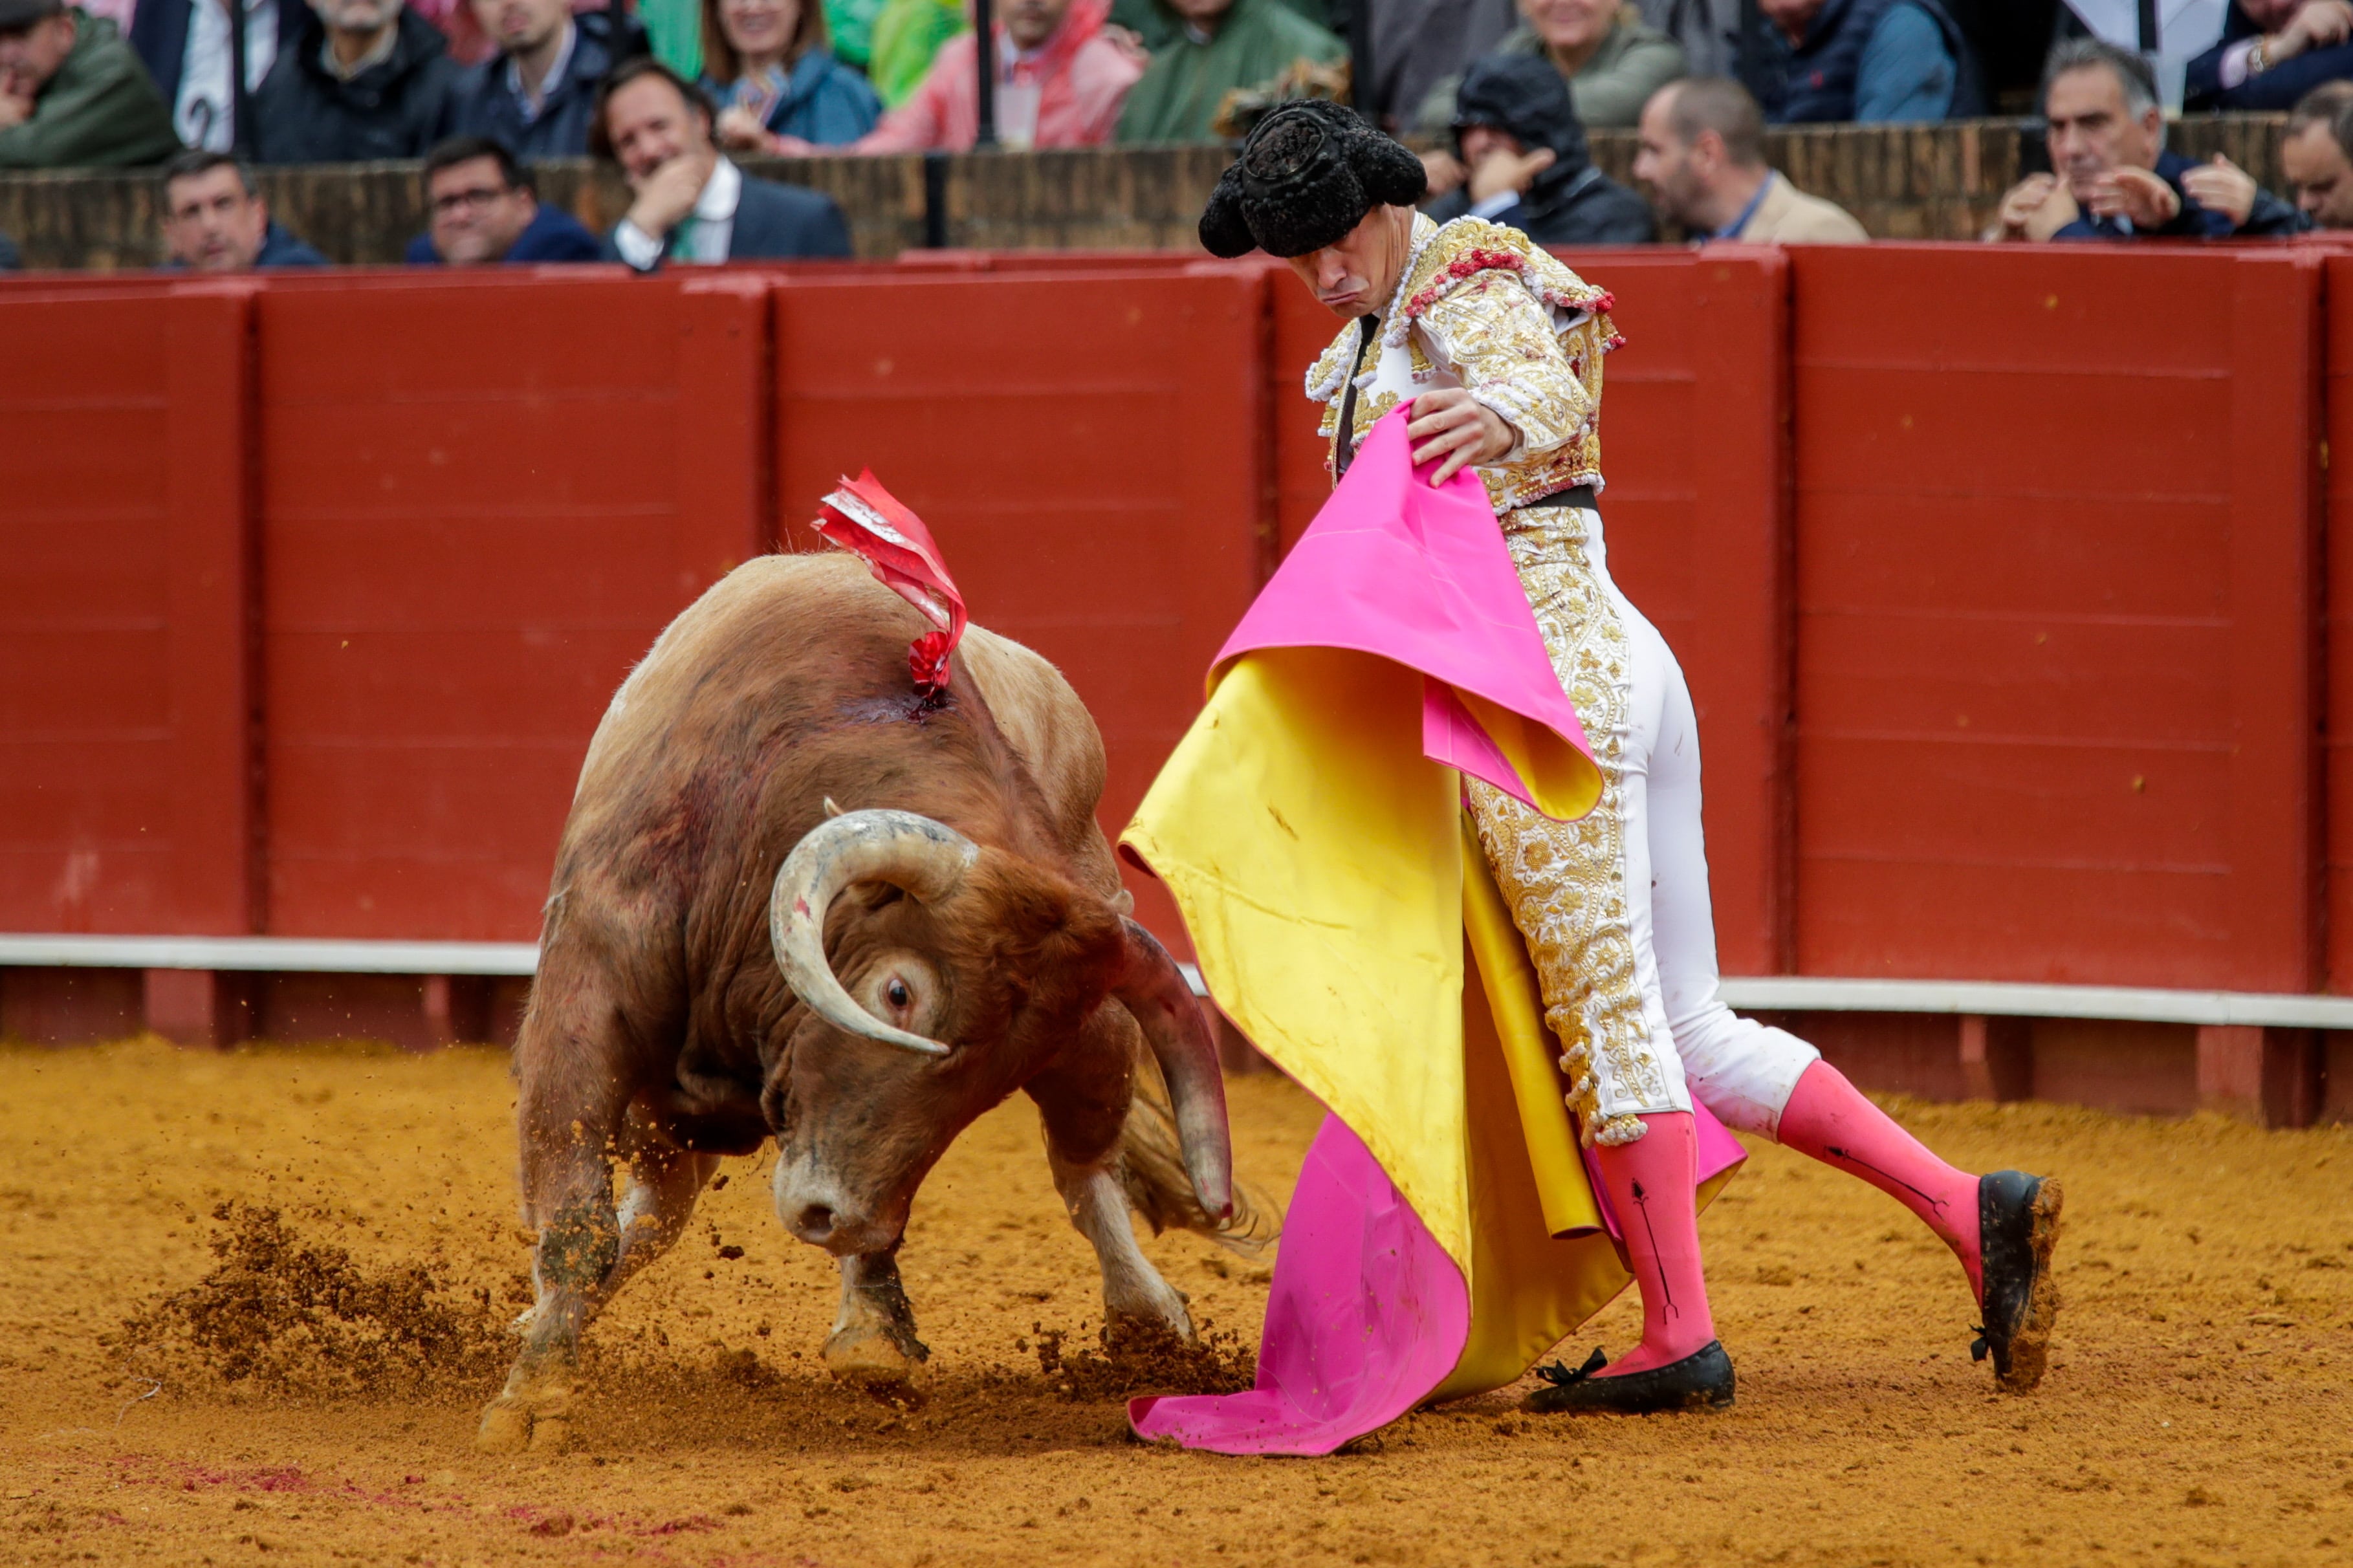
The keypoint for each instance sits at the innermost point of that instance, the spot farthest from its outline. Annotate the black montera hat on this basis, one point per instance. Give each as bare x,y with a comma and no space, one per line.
16,14
1308,173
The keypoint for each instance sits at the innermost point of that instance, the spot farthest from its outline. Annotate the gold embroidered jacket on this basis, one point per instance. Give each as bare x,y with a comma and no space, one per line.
1483,307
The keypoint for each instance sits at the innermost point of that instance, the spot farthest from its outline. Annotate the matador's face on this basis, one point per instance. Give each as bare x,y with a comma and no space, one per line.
1356,274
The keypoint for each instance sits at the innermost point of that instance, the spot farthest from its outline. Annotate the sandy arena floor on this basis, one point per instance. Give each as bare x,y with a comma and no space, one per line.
2197,1410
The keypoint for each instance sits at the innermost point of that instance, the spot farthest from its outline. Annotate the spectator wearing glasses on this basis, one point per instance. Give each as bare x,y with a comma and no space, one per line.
72,94
770,67
482,208
538,92
215,219
689,204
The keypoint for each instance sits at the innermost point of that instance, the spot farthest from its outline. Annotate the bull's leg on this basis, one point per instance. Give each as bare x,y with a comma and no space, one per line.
1132,1289
572,1104
657,1198
1084,1101
873,1344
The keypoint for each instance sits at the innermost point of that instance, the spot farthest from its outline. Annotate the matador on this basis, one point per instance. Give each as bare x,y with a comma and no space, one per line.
1489,352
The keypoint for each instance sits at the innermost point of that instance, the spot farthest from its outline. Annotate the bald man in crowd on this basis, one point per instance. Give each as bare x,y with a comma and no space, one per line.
1702,155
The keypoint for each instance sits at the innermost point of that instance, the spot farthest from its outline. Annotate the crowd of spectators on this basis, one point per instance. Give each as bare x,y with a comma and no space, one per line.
1500,92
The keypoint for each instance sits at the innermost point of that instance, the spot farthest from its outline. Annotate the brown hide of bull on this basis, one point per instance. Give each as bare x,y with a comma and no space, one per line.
660,1017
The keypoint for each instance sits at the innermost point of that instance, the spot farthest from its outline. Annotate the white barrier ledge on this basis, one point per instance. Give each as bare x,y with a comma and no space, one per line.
1778,993
2001,999
286,955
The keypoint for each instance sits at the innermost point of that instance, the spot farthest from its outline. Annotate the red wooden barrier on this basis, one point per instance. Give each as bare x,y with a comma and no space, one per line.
1085,449
2337,590
125,696
2055,542
480,506
312,589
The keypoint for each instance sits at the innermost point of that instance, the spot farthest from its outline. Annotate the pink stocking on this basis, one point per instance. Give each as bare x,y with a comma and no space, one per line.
1828,1118
1651,1182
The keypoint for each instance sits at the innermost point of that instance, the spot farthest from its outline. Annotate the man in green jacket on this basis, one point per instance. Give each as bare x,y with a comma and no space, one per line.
1222,45
73,94
1612,59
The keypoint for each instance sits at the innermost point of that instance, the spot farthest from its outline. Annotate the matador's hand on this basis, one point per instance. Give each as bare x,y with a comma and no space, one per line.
1455,425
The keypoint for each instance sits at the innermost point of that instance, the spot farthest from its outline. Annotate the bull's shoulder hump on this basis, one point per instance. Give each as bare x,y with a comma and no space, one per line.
1040,716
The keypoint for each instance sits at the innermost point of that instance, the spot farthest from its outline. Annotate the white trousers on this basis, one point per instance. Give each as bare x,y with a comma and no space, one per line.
1615,907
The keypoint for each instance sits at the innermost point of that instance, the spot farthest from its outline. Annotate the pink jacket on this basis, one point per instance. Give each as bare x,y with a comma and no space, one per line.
1084,79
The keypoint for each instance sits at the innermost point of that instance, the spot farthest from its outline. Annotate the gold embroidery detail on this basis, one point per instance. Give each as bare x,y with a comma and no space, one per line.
1566,881
1494,328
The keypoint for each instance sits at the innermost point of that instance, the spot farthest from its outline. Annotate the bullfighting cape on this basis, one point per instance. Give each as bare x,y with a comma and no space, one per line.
1443,1234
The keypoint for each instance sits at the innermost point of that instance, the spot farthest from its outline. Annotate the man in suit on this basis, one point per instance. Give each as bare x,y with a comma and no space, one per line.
185,46
1702,154
692,204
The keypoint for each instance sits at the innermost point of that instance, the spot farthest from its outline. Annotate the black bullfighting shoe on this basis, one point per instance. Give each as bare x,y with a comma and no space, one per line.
2018,1219
1701,1381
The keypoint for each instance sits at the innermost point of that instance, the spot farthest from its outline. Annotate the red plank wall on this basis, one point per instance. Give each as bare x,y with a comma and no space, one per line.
2337,590
125,696
395,539
480,506
2055,537
1085,447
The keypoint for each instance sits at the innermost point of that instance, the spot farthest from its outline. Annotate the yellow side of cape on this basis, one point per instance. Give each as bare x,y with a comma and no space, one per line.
1333,889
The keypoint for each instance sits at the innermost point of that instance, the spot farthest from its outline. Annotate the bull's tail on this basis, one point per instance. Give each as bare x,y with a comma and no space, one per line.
1152,1168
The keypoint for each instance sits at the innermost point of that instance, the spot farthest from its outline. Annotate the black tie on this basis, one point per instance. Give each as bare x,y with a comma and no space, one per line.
1346,452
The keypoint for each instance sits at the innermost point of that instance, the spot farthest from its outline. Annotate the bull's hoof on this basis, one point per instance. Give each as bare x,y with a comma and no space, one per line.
874,1362
536,1423
505,1428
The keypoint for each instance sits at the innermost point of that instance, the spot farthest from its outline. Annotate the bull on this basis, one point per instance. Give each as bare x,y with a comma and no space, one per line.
795,899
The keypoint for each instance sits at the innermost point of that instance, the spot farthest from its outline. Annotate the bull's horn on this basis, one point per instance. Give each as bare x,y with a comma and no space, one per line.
900,847
1154,991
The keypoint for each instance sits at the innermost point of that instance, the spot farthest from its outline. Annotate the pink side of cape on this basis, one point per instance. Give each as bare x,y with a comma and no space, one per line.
1367,1315
1419,576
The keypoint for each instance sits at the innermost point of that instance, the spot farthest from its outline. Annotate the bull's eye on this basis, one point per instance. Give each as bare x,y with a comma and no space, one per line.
897,992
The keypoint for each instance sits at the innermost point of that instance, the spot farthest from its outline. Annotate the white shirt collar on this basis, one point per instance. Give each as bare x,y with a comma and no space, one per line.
720,193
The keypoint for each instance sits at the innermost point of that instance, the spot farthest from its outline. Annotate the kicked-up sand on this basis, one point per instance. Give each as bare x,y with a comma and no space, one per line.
309,1393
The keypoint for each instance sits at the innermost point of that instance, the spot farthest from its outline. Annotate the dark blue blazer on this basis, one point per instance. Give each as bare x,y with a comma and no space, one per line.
2269,218
2276,90
776,222
280,247
553,235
